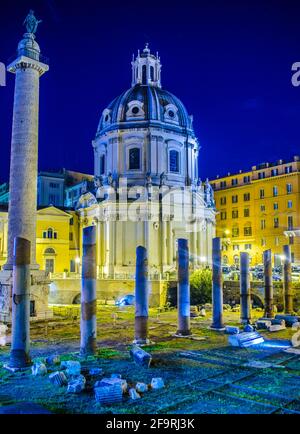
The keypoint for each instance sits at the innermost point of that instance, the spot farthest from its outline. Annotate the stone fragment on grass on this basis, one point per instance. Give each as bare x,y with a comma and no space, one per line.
112,381
108,394
39,369
58,378
72,367
53,360
248,328
140,357
141,387
134,394
263,324
115,376
95,371
157,383
76,385
230,330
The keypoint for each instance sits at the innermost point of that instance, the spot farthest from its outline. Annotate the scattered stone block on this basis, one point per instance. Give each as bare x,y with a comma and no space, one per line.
95,371
157,383
140,357
76,385
72,367
202,312
230,330
277,321
3,338
108,394
141,387
289,319
58,378
53,360
276,327
244,340
248,328
115,376
134,394
111,382
194,312
39,369
263,324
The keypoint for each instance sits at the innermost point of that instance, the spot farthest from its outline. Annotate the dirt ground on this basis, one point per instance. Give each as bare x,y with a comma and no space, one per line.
202,374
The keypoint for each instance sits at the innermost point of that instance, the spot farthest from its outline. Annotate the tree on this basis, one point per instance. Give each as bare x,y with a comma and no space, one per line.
201,286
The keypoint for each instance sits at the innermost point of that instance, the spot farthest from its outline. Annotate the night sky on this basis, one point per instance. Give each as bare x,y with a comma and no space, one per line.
229,62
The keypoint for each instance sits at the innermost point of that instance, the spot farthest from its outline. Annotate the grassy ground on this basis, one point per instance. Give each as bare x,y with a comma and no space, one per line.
202,374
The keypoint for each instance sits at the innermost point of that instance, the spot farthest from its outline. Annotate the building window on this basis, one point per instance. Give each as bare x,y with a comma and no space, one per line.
246,179
274,172
290,222
144,74
248,246
71,236
291,240
236,247
45,234
247,231
223,200
263,242
275,191
235,213
262,208
275,205
261,175
54,185
246,212
276,241
276,222
52,199
234,199
261,193
151,73
290,204
235,232
224,247
134,159
174,161
50,233
71,221
223,215
102,164
293,257
246,197
288,169
289,188
223,184
263,224
234,181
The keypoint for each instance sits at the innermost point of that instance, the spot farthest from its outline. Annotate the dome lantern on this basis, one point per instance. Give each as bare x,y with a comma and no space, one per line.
146,68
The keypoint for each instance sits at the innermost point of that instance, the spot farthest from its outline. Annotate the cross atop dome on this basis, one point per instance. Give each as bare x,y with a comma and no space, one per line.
146,68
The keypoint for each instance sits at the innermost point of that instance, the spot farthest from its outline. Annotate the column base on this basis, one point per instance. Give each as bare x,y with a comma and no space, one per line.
140,341
183,333
217,328
19,359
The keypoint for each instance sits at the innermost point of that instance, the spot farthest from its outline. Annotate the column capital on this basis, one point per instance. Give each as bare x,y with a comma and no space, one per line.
24,62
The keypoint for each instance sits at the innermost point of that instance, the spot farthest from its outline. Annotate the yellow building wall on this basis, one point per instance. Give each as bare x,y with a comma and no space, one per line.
261,207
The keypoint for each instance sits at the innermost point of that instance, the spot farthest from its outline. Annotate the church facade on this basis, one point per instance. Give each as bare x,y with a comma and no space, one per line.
147,187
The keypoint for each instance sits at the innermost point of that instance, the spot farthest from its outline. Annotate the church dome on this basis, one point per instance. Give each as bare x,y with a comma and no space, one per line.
145,103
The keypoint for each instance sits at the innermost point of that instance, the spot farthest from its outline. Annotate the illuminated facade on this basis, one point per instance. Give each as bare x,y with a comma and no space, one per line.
259,210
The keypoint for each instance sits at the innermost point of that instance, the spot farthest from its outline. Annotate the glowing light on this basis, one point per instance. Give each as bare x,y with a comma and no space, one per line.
227,231
77,260
202,258
282,257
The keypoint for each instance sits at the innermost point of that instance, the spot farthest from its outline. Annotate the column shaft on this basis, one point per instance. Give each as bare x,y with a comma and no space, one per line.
245,294
287,280
217,290
183,288
269,311
141,296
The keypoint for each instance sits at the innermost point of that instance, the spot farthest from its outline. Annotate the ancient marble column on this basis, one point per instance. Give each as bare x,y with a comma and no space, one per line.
287,280
141,297
245,288
268,283
88,321
183,289
20,341
24,146
217,288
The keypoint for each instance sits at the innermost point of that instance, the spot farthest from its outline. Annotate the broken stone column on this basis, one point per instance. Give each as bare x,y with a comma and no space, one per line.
217,289
88,321
245,294
141,297
287,280
20,341
269,310
183,289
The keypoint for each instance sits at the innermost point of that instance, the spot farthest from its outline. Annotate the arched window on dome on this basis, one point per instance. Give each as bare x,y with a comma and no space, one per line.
102,164
174,161
152,73
144,74
134,159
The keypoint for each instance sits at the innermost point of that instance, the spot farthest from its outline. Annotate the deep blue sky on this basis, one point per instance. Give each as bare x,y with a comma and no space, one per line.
229,62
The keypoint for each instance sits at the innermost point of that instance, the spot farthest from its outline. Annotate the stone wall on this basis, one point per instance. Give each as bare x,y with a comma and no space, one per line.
67,291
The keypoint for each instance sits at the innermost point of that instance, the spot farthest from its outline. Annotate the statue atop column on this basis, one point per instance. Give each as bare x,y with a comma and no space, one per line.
31,23
209,194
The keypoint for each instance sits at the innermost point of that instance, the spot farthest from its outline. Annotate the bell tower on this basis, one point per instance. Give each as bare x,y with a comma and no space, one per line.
146,68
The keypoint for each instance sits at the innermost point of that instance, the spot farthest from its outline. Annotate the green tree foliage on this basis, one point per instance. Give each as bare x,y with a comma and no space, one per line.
201,286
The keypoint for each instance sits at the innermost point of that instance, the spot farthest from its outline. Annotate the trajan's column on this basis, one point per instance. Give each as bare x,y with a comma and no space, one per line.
28,68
